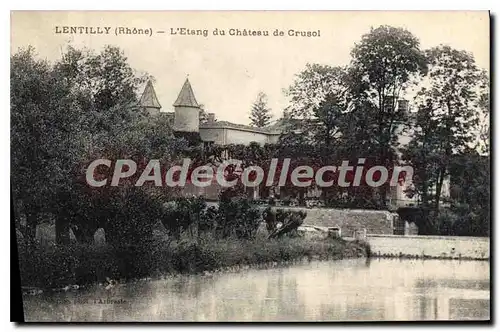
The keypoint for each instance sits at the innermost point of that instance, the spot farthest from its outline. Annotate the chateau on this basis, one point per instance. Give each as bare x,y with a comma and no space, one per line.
186,118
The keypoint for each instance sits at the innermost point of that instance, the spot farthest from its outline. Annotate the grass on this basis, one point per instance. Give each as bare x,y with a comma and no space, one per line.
52,267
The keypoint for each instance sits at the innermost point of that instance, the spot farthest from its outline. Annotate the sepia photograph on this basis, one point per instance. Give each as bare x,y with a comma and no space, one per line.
251,166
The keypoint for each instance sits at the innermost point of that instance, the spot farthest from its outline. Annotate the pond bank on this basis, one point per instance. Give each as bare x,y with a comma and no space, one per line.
52,267
428,246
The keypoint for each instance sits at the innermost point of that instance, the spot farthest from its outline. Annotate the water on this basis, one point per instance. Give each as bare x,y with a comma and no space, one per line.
317,291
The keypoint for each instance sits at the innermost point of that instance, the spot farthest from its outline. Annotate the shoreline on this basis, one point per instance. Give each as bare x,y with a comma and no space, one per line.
55,269
61,269
33,291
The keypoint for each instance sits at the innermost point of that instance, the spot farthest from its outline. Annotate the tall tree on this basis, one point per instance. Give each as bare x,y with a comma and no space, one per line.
446,120
383,65
260,115
318,97
44,135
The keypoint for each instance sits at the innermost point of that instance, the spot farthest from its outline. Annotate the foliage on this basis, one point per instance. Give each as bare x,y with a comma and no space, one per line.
65,115
270,218
471,193
44,120
446,117
289,220
383,65
260,115
81,264
131,212
385,60
103,80
237,216
318,96
182,213
351,112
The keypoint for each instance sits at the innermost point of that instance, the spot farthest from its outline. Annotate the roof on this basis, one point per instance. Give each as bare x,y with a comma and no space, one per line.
186,96
230,125
282,124
148,98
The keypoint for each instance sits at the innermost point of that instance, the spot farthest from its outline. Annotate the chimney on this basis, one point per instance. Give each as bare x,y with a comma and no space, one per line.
211,117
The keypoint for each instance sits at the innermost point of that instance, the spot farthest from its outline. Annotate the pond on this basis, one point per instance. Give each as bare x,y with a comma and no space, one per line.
360,289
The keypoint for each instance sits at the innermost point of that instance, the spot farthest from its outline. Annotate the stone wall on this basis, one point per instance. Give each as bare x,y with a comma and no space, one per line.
375,222
430,246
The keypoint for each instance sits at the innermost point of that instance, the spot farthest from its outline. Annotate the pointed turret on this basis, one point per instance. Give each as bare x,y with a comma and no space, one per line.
149,101
186,96
187,110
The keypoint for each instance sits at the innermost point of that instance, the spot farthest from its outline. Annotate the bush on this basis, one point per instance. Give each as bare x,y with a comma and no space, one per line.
238,216
56,267
131,214
461,220
183,214
269,216
290,221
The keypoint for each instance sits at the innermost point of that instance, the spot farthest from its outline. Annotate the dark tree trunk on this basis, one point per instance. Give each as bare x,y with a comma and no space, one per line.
30,229
84,235
62,230
439,186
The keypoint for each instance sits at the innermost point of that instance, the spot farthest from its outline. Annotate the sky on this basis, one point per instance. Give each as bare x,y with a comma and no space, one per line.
227,72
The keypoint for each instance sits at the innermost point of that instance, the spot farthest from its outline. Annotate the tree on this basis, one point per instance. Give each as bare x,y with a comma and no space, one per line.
383,65
105,77
45,139
446,119
106,89
317,98
260,115
65,115
325,124
482,142
203,114
470,184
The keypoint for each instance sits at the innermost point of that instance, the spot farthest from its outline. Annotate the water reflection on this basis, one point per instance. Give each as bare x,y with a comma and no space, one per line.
344,290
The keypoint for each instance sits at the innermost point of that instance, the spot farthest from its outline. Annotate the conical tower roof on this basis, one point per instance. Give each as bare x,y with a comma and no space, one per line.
186,96
148,98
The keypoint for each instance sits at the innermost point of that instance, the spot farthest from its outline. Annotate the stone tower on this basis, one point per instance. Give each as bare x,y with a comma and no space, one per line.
187,111
149,101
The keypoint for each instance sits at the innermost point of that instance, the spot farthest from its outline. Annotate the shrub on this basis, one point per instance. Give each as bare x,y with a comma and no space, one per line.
183,214
269,216
56,267
238,216
290,221
131,215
